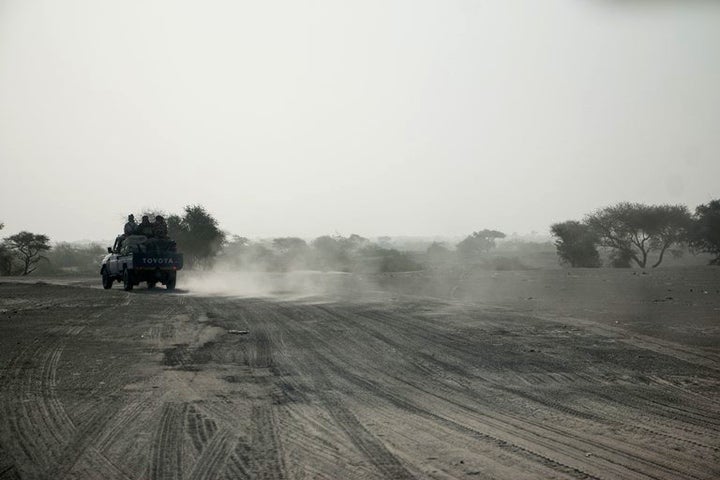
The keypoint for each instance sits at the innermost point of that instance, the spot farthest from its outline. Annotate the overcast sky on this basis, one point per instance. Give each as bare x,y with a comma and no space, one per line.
373,117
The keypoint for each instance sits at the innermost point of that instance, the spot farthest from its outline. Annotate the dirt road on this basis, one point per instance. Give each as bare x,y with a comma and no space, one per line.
116,385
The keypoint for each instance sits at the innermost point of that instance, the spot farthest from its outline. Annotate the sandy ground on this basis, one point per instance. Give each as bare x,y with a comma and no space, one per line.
539,374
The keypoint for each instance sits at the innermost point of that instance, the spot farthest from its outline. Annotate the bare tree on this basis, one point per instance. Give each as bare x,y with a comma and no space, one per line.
29,248
635,230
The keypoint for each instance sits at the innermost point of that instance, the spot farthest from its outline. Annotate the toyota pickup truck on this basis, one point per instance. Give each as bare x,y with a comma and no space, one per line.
136,258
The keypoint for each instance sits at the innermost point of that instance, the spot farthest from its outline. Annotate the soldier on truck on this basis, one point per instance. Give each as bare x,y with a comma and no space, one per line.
160,229
145,227
130,226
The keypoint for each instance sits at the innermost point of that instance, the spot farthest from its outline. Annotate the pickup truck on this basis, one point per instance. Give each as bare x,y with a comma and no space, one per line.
136,259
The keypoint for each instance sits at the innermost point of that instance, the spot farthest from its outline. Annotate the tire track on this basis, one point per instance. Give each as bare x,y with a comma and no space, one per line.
199,428
553,446
215,455
57,421
215,428
83,448
550,437
317,444
126,416
166,450
373,449
644,405
573,412
34,448
646,430
608,419
539,434
644,342
508,446
46,435
238,465
364,441
265,418
267,459
75,442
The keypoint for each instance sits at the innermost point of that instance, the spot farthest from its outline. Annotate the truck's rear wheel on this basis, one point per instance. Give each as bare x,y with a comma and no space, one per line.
172,278
127,280
107,280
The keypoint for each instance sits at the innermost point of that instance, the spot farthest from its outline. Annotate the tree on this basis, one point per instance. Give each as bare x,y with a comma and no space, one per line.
375,259
576,244
620,259
635,230
331,253
385,241
354,242
704,233
477,243
337,252
291,252
7,259
437,254
197,234
69,257
239,241
437,249
28,247
286,245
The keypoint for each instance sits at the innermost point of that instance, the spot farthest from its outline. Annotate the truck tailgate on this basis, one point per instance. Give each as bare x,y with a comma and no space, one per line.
163,261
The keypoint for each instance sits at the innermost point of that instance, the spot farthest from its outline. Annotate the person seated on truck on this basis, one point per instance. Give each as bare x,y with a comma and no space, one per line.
145,227
118,243
130,226
160,229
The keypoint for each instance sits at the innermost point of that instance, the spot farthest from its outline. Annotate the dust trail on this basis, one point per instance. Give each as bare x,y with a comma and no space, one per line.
290,286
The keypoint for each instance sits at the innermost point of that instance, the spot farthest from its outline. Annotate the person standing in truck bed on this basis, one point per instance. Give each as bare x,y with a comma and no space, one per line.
145,227
160,229
130,226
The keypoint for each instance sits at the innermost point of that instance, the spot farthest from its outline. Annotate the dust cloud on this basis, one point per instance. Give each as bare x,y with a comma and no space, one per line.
305,286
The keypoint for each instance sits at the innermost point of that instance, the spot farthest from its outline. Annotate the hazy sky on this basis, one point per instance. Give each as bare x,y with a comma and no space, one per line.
374,117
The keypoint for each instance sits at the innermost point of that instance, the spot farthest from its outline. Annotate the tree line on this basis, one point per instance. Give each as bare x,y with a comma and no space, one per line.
353,253
632,233
638,234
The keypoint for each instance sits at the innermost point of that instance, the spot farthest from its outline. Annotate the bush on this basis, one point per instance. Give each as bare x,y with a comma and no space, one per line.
704,232
377,259
74,258
576,244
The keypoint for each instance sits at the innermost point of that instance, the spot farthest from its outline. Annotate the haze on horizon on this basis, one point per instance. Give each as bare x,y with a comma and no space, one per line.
374,117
